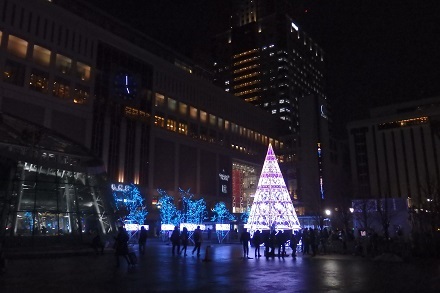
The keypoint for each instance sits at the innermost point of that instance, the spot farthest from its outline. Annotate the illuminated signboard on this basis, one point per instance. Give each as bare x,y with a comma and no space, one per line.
224,182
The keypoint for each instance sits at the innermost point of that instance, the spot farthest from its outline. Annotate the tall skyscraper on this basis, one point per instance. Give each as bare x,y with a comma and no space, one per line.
266,59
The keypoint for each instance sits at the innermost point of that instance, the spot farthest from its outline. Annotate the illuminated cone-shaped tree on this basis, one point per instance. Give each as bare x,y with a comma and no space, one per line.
272,207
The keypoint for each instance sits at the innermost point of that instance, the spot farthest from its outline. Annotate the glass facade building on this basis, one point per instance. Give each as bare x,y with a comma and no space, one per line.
49,185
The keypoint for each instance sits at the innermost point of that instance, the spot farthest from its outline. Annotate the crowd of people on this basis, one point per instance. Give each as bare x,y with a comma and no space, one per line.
308,241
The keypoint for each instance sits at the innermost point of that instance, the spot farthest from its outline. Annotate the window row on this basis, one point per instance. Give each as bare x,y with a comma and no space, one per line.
204,118
45,57
41,81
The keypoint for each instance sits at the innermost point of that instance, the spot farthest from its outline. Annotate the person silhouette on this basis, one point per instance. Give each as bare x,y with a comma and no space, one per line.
175,240
142,240
197,240
245,237
256,241
184,240
121,246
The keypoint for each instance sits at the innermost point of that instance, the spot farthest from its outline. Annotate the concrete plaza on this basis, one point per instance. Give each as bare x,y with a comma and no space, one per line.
159,271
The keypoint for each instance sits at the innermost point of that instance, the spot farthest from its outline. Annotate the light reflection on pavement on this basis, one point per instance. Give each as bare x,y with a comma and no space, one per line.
159,271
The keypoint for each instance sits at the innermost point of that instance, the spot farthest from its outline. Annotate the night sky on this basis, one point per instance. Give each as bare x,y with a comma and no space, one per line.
378,51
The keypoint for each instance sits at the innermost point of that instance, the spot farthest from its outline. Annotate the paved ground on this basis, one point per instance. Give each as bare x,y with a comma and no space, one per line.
159,271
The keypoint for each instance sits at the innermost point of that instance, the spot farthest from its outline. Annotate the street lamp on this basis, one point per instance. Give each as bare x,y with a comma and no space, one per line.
328,212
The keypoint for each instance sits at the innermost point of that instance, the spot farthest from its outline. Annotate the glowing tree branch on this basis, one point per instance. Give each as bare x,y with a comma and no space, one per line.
221,213
194,211
131,201
168,211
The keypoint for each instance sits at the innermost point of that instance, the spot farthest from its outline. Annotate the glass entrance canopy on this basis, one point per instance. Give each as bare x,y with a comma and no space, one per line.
48,184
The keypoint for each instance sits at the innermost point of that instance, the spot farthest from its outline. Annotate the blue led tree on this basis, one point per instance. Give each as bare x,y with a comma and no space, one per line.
221,213
130,200
194,211
168,211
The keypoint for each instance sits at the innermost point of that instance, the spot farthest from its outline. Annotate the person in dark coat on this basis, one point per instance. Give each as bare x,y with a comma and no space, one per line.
294,240
197,240
244,239
121,245
97,244
184,240
272,242
175,240
256,241
142,240
312,235
281,243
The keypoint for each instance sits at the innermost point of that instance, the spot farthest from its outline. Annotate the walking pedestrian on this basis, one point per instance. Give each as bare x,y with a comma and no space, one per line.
294,242
175,240
184,240
305,241
281,242
142,240
121,246
97,244
256,241
197,240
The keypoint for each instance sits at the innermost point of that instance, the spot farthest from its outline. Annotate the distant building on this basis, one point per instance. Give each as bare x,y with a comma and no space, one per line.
395,153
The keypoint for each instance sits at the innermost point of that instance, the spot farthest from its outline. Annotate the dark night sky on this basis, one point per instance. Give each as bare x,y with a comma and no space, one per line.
378,51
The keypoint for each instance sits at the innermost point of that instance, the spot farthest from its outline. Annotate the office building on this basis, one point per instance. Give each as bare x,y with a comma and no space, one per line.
394,153
269,61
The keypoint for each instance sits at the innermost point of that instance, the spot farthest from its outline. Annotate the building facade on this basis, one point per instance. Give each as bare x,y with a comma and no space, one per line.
394,153
267,60
144,114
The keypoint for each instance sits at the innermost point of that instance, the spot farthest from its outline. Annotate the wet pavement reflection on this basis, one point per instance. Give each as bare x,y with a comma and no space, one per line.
159,271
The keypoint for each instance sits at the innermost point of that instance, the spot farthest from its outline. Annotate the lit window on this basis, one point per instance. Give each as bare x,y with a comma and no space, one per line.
226,125
63,64
81,94
212,119
61,88
203,116
183,128
1,34
83,71
193,112
159,100
39,81
183,108
220,123
274,111
17,46
41,55
171,125
159,121
172,104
